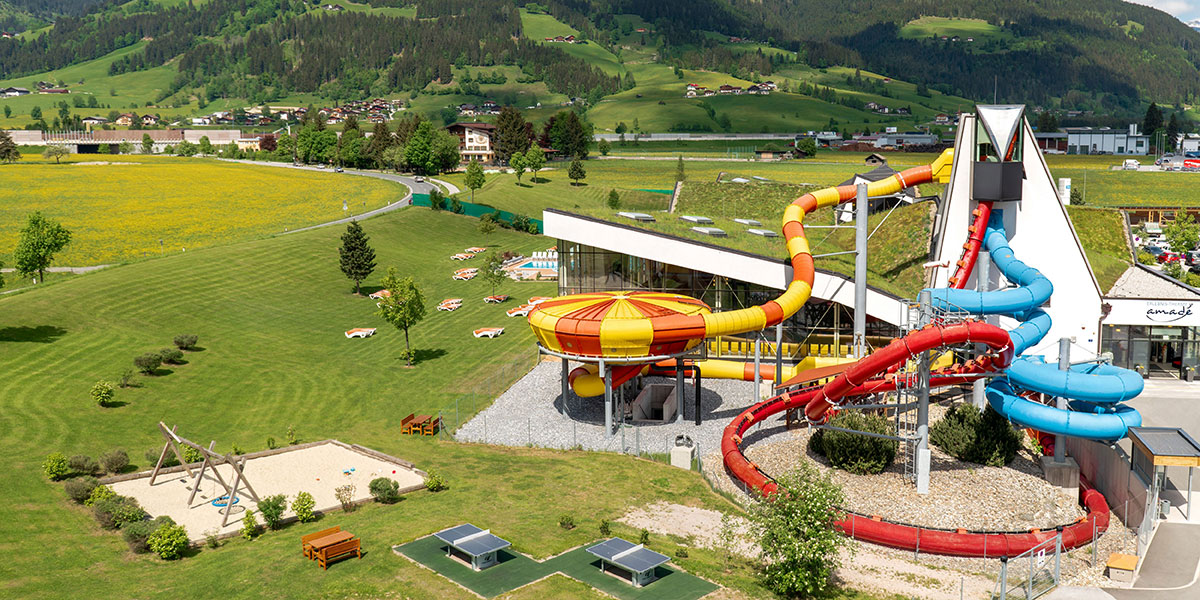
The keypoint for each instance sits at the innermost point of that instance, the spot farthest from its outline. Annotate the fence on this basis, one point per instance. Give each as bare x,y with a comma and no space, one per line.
476,210
1031,574
465,406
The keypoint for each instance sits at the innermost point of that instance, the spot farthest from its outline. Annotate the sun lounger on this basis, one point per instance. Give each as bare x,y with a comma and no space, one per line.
468,270
489,332
538,300
380,295
360,332
448,307
462,256
520,311
465,276
476,250
497,299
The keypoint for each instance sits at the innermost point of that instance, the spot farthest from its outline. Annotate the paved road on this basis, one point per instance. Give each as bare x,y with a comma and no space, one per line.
451,189
74,270
409,182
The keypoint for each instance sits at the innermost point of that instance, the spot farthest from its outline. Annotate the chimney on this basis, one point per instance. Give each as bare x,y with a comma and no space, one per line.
1133,129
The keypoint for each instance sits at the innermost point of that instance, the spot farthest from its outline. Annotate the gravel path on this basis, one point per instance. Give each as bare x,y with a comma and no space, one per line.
528,414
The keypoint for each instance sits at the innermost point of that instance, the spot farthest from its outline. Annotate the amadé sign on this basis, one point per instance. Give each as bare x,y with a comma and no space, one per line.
1168,312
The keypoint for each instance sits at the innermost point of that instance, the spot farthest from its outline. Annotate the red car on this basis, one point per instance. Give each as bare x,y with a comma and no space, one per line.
1169,257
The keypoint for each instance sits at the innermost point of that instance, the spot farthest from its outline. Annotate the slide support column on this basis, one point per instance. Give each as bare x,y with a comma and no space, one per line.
679,390
923,455
566,386
608,400
861,208
1064,363
757,365
982,264
779,353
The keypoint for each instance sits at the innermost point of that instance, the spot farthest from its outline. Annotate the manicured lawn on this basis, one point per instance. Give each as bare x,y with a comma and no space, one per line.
121,211
949,26
1102,233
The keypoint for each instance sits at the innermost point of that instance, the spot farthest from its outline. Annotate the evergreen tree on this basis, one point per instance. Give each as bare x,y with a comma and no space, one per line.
1172,132
357,256
418,152
8,148
512,134
381,140
1153,120
474,179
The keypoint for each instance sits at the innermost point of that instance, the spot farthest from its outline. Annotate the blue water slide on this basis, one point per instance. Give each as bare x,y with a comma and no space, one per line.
1095,390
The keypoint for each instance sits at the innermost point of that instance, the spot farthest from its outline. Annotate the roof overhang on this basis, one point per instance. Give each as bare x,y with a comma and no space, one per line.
709,258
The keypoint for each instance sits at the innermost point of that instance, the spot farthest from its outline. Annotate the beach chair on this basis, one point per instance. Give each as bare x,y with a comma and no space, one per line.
497,299
538,299
520,311
488,332
360,332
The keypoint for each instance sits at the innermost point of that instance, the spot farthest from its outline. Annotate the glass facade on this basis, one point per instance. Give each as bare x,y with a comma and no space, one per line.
1153,350
587,269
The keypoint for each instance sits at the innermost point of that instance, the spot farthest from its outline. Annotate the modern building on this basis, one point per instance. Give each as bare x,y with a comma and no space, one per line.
1106,140
909,138
476,141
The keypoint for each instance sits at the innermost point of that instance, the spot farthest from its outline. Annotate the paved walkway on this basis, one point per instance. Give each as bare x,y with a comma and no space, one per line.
1169,571
72,270
451,189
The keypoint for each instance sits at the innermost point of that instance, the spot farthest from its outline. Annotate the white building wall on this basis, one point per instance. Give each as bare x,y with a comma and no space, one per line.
1040,234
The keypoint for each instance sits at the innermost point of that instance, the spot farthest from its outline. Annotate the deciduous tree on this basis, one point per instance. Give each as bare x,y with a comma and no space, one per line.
535,160
576,171
148,144
55,151
475,178
492,273
517,162
356,254
40,240
403,308
1182,234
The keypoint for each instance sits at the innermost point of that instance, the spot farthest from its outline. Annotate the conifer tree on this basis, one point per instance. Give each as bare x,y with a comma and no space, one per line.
357,256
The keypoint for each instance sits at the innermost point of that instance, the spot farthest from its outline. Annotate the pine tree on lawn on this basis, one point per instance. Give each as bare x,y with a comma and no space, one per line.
357,256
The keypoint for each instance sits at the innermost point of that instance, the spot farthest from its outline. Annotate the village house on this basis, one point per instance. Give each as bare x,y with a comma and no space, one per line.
941,119
13,91
149,120
125,120
93,121
475,141
54,91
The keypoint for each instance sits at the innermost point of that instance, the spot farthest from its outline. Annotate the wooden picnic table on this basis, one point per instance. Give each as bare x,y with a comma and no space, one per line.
329,540
418,422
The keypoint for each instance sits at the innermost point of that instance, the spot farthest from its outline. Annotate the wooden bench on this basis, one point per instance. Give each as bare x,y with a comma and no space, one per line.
432,427
1121,567
337,551
305,544
416,426
406,424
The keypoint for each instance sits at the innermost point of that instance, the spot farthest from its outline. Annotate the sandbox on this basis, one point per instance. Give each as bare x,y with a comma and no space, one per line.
317,468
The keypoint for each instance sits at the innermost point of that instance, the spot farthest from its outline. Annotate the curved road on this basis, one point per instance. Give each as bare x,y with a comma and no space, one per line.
409,182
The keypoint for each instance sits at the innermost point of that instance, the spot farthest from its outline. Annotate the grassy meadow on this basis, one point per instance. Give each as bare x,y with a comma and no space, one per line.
119,211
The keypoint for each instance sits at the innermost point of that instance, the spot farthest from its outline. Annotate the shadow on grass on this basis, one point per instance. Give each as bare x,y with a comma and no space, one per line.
115,404
160,372
425,354
43,334
524,185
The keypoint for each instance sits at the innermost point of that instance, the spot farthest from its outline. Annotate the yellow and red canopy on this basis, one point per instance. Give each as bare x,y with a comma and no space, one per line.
620,324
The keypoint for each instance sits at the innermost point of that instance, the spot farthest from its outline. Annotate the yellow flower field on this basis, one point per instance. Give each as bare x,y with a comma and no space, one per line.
120,211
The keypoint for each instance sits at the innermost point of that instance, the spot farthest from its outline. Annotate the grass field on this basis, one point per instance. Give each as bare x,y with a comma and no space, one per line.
1102,233
925,27
120,211
540,26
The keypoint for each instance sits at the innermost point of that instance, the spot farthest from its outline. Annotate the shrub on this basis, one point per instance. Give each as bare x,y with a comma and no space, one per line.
856,453
118,511
434,481
345,495
272,508
169,541
566,522
800,544
102,393
681,552
614,200
81,488
83,464
521,222
384,490
192,455
171,356
168,461
137,535
210,539
115,461
605,527
303,507
644,537
291,436
186,341
55,466
984,437
126,380
456,206
148,362
271,443
249,525
101,492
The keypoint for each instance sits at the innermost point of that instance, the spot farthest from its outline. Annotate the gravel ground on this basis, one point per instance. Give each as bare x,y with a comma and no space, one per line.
528,414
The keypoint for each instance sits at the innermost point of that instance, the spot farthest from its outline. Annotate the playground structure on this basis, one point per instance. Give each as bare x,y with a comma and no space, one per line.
620,335
211,460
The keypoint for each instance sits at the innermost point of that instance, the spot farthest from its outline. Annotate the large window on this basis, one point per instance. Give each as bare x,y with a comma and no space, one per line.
1153,350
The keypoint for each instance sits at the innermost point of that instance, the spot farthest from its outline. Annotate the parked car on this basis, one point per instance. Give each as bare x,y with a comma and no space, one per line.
419,179
1192,154
1168,257
1154,251
1131,165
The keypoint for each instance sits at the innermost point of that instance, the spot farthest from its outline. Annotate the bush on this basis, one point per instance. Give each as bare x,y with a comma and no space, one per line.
100,493
852,452
984,437
566,522
148,362
800,544
644,537
291,436
272,508
345,495
137,535
521,222
83,464
303,507
55,466
249,525
102,393
681,552
434,481
126,380
115,461
614,200
456,206
384,490
171,356
81,488
192,455
186,341
118,511
605,527
169,541
271,443
169,461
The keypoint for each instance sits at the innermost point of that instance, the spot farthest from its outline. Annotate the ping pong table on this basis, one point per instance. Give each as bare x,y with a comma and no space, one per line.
640,562
478,545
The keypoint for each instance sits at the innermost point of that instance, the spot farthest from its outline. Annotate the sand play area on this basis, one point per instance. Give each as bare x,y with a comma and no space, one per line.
317,468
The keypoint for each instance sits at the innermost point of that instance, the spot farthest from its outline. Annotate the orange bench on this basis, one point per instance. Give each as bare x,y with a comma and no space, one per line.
305,544
406,424
432,427
337,551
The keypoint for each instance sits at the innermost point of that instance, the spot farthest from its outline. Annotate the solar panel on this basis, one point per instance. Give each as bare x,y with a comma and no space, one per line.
627,555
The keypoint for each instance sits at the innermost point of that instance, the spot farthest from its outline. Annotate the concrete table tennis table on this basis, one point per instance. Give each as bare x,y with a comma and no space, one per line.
640,562
479,545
